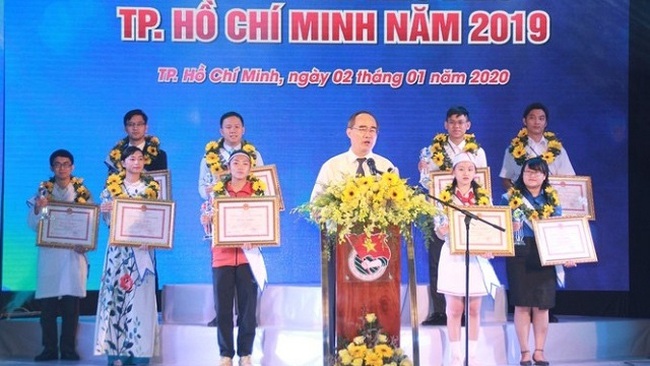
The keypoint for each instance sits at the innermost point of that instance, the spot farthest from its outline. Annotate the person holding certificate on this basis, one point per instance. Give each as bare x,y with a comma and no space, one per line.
237,272
215,163
62,272
127,314
463,191
532,287
534,140
439,157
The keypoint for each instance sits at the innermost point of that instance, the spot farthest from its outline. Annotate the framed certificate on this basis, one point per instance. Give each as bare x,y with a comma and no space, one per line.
269,175
576,195
164,179
237,221
136,222
440,179
562,239
69,224
483,238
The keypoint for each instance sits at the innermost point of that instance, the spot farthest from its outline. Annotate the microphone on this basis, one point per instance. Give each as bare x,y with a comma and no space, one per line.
373,167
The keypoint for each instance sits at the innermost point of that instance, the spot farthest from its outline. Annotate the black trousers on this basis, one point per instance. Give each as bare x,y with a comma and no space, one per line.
51,308
228,282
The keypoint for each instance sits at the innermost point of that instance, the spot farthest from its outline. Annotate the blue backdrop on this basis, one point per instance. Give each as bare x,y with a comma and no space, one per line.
73,68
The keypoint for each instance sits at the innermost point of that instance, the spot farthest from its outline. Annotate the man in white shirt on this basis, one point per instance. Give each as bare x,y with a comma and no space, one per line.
362,131
535,121
62,272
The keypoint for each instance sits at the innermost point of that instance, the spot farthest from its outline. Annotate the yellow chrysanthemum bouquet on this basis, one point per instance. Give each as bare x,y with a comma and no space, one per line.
368,204
370,347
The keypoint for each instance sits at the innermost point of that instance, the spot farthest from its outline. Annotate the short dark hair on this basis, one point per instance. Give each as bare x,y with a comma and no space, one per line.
231,114
130,150
61,153
536,105
135,112
457,111
354,116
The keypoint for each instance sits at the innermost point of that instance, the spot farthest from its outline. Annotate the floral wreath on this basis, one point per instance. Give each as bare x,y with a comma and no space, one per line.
516,202
219,189
440,156
150,151
82,194
518,145
481,195
217,163
115,182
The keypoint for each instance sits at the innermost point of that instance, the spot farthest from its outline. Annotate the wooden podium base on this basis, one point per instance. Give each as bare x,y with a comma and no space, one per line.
368,279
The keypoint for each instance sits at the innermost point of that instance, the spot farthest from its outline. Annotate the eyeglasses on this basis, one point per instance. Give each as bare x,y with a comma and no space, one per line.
366,130
61,165
131,125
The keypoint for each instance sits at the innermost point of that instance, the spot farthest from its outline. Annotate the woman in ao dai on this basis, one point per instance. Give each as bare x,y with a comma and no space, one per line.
127,314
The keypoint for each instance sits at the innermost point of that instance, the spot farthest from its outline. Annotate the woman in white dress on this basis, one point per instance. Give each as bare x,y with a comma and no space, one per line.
463,191
127,315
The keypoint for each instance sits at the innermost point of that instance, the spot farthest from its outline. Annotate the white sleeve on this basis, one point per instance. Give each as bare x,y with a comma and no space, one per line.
32,218
205,178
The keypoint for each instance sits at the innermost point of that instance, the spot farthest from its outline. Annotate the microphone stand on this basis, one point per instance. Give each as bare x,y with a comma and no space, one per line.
468,218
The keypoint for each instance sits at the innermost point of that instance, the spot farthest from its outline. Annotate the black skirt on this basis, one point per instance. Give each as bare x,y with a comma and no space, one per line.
530,284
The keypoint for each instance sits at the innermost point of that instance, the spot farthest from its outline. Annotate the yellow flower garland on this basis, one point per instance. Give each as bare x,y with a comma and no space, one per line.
516,201
219,189
82,194
482,196
518,145
217,163
115,181
439,154
150,152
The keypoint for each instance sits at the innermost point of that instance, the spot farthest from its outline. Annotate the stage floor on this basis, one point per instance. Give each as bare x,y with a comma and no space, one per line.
290,334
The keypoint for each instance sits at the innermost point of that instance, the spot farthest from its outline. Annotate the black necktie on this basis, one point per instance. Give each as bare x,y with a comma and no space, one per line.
360,167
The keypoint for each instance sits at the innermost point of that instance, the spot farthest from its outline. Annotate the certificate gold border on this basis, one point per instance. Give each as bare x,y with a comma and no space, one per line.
56,206
440,179
273,220
269,175
583,183
497,215
167,224
552,252
164,179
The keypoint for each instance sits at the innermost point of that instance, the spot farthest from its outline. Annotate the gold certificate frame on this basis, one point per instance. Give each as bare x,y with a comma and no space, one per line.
483,238
136,222
69,225
576,195
237,221
564,239
440,179
269,175
164,179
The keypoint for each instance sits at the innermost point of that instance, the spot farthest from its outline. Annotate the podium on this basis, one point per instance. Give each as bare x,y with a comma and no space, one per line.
368,279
